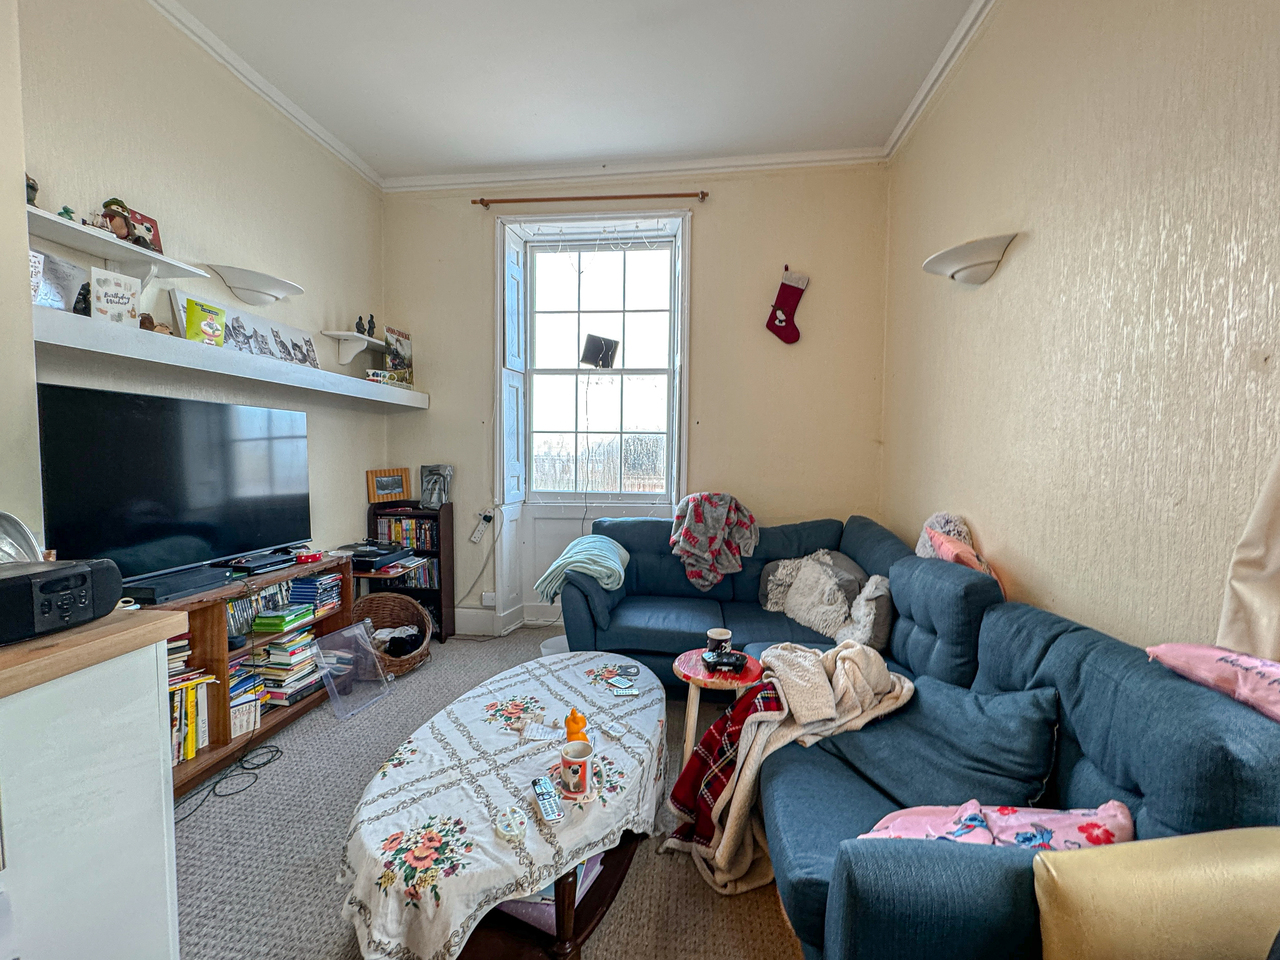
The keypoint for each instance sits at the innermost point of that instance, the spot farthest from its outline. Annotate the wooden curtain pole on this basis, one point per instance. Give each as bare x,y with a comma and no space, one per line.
701,196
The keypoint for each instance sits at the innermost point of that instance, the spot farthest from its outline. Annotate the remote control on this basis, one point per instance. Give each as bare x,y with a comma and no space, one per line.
546,800
620,682
628,670
628,692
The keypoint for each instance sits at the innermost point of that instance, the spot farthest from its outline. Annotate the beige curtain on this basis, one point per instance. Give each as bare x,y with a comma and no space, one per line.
1250,620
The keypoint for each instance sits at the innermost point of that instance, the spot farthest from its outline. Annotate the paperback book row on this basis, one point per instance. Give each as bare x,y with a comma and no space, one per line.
426,576
188,701
419,534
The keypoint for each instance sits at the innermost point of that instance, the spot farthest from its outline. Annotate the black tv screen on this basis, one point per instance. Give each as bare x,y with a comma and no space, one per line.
157,484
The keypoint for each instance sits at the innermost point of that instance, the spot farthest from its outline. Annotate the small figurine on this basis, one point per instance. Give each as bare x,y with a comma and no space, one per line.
66,213
369,331
575,725
117,214
81,306
360,325
32,189
146,322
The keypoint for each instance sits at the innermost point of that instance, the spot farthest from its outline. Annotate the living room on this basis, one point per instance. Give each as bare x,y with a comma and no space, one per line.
1092,404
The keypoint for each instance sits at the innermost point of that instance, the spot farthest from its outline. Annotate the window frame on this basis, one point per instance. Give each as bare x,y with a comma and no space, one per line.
589,233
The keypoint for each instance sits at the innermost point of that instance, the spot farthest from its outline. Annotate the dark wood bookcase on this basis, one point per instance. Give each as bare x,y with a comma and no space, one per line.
438,600
207,619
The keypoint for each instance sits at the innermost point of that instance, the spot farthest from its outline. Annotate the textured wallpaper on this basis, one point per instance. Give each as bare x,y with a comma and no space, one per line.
1104,409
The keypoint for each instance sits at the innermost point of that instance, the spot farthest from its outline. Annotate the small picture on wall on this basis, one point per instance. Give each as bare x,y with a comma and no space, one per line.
386,485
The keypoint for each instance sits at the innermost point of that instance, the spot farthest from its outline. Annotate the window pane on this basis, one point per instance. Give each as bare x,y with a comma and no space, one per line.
647,335
602,280
602,325
644,463
552,461
552,406
555,340
649,279
599,403
598,462
555,280
644,403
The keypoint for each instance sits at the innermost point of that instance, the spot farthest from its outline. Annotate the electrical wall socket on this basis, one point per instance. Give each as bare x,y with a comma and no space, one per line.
488,600
478,533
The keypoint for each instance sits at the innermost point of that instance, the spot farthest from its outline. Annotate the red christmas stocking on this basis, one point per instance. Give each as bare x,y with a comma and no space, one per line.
782,318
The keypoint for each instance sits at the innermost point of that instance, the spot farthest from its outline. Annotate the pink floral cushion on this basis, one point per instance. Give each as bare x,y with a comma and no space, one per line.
1251,680
957,551
1028,827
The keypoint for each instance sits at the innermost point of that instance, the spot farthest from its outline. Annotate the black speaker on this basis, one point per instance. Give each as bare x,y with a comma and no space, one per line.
40,598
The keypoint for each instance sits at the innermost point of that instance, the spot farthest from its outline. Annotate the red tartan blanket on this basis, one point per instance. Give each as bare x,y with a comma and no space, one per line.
712,763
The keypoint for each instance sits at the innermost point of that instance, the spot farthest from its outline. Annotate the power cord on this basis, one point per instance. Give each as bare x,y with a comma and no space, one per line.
246,767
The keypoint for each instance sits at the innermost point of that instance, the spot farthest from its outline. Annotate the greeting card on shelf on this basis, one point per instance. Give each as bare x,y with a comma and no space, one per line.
205,323
37,273
115,296
399,357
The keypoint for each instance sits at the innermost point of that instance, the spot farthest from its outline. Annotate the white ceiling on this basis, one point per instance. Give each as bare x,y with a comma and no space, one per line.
418,92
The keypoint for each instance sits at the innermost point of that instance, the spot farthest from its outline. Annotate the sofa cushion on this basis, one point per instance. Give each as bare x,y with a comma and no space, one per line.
752,624
812,801
873,547
659,625
949,745
653,570
783,542
940,607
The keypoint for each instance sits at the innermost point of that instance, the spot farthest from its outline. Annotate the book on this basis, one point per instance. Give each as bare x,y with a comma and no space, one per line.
245,718
202,716
205,323
278,621
115,296
189,737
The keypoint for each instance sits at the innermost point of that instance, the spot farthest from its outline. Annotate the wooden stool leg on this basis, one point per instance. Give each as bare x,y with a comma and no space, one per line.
566,900
691,721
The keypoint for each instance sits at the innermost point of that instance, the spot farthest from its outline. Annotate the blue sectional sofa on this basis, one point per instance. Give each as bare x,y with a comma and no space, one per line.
1183,758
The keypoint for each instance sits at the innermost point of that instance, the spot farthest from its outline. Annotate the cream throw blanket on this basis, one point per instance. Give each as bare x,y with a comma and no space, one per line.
1250,621
823,693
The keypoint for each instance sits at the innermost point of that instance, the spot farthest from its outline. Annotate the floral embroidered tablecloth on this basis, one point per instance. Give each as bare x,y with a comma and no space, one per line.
423,856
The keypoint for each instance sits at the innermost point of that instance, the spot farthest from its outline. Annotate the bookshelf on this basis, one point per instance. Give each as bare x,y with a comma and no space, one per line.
207,621
438,600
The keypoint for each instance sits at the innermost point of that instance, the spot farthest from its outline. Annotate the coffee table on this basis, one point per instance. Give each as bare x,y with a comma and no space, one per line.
424,859
690,668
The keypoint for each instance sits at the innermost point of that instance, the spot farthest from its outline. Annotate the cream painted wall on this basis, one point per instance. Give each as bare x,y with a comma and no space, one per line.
19,469
118,102
792,430
1103,410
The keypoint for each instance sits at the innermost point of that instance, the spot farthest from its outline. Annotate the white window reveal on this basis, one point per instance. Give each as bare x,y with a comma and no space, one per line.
591,434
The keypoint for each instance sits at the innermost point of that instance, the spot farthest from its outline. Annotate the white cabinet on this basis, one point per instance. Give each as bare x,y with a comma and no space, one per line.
86,797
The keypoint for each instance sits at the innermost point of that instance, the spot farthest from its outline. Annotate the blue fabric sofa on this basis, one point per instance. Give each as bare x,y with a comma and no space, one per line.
658,614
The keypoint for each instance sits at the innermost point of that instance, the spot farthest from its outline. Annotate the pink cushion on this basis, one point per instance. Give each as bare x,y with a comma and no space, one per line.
1251,680
957,551
1028,827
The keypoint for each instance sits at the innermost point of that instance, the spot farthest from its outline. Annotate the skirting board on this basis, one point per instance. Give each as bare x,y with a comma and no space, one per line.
478,622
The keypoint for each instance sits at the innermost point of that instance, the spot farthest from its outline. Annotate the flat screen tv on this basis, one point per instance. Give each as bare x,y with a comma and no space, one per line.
157,484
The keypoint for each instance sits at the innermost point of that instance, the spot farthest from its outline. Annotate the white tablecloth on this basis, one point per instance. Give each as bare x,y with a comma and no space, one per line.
423,857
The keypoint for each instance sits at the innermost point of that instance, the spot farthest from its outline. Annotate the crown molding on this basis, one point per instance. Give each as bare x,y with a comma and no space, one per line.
186,21
964,32
632,169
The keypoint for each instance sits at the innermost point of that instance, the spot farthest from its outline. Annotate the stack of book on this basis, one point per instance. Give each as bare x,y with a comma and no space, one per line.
418,533
247,693
286,618
188,702
324,592
289,669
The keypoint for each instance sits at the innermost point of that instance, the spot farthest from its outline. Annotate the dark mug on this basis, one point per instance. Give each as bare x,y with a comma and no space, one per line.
719,640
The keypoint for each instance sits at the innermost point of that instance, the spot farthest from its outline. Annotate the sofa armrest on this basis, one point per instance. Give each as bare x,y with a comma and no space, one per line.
579,625
600,600
908,899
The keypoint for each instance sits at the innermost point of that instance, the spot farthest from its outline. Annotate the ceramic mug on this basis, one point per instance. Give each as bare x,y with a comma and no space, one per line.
575,767
719,640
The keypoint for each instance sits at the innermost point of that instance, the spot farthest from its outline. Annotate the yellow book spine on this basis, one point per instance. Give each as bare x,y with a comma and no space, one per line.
189,746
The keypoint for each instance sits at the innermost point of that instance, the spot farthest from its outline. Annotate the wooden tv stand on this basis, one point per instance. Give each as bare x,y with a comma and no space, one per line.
207,616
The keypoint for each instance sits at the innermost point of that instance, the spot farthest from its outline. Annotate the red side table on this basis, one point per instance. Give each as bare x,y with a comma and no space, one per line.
690,668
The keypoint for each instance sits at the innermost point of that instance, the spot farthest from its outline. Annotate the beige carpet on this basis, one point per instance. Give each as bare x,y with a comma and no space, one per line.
255,870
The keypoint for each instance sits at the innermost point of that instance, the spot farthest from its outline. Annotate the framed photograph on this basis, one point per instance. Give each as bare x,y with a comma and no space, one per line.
390,484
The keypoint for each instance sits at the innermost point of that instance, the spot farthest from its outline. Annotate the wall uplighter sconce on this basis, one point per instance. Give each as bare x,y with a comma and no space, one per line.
973,262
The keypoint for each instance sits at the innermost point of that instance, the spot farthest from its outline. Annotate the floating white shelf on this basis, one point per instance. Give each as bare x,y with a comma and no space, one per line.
133,261
254,287
57,328
350,344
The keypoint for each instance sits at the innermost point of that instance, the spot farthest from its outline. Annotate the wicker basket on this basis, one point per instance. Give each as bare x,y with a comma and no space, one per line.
396,610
